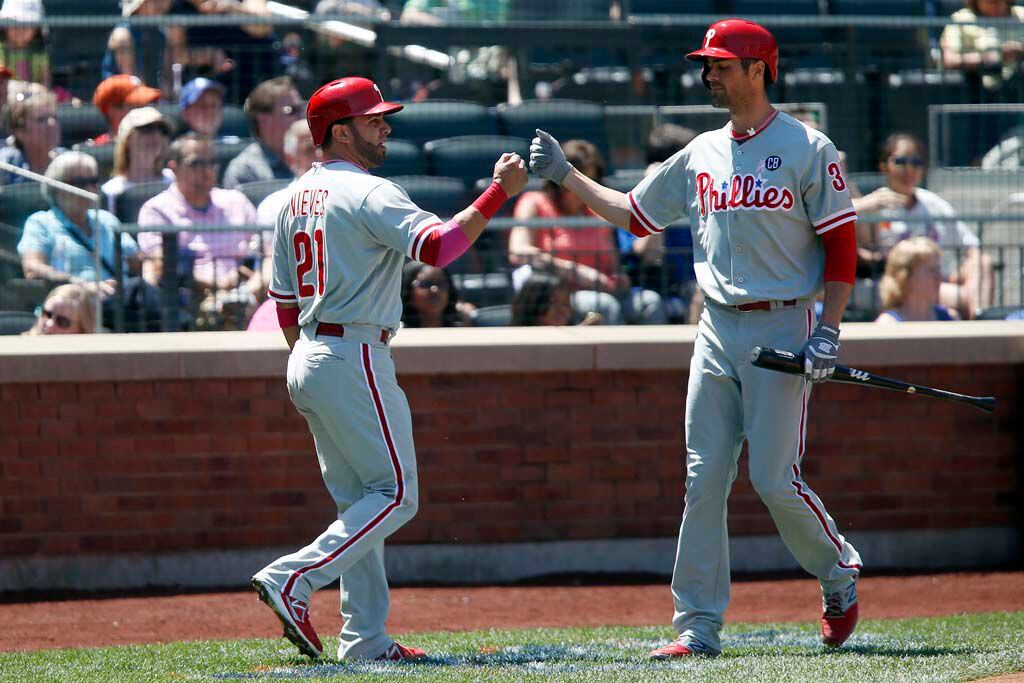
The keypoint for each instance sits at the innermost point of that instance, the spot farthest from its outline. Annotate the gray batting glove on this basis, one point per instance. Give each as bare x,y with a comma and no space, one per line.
820,353
547,158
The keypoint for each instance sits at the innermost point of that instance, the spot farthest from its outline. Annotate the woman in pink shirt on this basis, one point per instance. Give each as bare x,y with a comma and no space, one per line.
585,257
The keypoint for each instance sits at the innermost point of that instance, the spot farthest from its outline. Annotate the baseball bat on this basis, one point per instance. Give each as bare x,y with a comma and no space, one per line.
790,363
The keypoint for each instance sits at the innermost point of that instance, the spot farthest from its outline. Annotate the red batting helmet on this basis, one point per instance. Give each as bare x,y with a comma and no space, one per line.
740,39
341,99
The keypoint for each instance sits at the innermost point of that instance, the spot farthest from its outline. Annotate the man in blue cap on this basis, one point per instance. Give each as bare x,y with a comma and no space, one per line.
201,103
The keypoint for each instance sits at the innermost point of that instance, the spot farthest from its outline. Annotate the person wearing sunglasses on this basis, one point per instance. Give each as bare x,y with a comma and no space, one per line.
191,201
430,298
272,107
142,139
57,245
967,272
68,309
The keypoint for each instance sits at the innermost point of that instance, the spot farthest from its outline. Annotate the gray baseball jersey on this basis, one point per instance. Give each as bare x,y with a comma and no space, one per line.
757,204
339,246
753,201
340,243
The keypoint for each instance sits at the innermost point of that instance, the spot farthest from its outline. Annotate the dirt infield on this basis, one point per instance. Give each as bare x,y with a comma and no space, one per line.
91,623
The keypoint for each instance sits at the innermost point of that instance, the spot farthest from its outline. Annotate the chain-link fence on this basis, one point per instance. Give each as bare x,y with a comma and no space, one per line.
477,79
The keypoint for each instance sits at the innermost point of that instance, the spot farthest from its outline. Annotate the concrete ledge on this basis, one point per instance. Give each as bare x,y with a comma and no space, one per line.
502,563
115,357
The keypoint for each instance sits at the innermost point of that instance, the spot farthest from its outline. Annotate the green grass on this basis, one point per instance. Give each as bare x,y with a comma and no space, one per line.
959,648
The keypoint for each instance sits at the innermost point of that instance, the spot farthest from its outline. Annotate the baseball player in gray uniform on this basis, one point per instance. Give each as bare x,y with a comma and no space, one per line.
772,220
339,247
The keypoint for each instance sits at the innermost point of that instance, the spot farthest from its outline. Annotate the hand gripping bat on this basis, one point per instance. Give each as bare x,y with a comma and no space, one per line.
790,363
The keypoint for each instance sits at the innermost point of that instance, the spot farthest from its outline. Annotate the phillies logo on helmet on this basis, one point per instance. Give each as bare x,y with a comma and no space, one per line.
740,192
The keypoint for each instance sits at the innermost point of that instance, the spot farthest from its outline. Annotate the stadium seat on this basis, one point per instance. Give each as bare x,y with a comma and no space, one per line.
673,7
172,114
499,315
76,51
484,289
403,158
19,201
16,322
443,196
23,294
624,180
997,312
103,154
261,189
469,157
546,10
423,121
79,123
565,119
226,149
128,203
236,122
888,8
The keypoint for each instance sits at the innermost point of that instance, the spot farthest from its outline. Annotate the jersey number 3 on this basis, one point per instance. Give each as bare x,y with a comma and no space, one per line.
837,177
309,251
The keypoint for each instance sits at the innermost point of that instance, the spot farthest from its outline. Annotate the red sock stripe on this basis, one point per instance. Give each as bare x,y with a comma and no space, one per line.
385,429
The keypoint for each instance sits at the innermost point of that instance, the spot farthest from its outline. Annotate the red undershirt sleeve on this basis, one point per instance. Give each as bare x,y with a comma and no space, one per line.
840,253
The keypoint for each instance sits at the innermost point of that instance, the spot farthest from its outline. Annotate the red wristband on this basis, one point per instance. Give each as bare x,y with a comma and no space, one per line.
490,201
287,317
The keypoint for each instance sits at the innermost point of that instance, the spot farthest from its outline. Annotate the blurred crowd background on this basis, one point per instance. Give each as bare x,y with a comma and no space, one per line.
180,123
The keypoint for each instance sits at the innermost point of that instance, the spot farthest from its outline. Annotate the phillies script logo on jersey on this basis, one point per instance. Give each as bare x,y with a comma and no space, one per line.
740,192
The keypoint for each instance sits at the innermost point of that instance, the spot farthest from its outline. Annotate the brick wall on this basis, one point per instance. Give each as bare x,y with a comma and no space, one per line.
92,467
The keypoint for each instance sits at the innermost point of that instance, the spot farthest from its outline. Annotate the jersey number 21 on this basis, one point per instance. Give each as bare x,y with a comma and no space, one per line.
309,252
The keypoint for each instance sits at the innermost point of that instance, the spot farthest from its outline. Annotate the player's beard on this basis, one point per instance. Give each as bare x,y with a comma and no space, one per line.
719,98
371,153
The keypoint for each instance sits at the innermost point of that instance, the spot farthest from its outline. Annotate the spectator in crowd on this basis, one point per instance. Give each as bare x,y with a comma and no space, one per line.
139,153
299,155
272,107
58,244
24,47
67,309
140,50
5,79
223,275
430,298
202,107
544,299
35,133
587,258
967,271
910,286
665,261
115,97
989,54
240,56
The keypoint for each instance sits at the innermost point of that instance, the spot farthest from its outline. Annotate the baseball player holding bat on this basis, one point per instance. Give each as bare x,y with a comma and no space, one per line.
339,246
772,220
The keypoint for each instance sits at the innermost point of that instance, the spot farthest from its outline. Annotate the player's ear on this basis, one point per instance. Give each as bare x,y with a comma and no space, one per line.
340,133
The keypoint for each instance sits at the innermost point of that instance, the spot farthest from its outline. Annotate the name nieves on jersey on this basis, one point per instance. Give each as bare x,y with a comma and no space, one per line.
741,192
309,202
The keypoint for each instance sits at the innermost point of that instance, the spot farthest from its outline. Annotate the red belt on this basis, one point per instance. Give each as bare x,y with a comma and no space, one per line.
334,330
764,305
